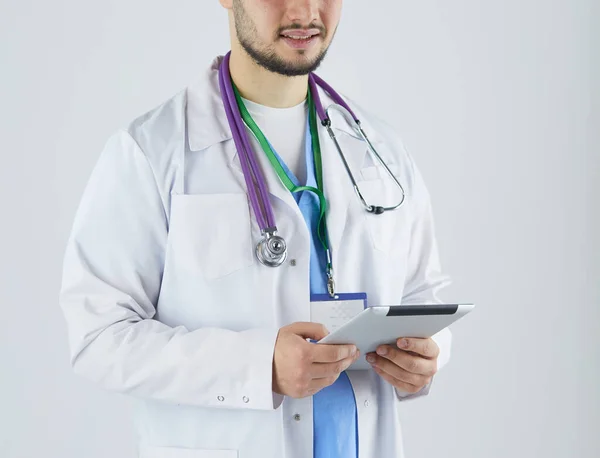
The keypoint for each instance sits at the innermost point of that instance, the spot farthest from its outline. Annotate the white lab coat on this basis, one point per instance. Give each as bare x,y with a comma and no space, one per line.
166,302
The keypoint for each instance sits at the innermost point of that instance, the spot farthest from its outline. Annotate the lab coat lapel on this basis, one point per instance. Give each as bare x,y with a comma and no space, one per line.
338,187
208,125
274,185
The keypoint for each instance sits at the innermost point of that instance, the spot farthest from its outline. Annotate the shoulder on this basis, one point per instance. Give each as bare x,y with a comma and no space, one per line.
159,132
155,138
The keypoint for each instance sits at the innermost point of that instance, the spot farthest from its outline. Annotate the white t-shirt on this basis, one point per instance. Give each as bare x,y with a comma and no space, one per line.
285,128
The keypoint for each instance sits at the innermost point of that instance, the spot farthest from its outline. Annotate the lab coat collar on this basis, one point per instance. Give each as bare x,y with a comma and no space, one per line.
206,119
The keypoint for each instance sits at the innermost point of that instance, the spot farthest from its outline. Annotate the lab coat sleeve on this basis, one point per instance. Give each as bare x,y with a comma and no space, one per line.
425,278
112,273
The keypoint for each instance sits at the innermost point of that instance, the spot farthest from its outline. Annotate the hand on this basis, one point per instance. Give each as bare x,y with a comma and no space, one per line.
410,366
302,368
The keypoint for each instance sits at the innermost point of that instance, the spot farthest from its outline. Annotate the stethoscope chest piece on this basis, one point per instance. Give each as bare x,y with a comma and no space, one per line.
271,250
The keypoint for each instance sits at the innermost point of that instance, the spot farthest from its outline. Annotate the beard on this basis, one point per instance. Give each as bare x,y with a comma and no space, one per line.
266,56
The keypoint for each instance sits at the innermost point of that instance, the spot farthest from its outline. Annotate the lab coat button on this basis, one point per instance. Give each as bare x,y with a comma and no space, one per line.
245,399
220,398
366,403
297,417
293,263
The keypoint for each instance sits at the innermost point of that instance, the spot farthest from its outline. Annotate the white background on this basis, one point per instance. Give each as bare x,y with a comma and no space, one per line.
498,101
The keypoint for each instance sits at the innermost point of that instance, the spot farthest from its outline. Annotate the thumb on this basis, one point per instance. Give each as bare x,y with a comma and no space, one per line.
306,330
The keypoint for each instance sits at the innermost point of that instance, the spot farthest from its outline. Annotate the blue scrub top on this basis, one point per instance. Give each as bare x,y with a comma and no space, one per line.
334,407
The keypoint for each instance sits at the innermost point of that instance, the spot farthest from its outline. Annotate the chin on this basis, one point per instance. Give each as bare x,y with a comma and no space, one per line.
300,57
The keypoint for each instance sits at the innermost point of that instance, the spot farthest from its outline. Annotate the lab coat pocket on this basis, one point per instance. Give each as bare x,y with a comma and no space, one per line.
377,172
379,189
211,233
175,452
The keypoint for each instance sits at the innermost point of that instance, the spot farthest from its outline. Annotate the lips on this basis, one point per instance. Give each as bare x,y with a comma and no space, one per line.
299,38
300,34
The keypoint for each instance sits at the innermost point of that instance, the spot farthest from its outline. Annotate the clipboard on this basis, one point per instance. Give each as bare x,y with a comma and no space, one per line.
379,325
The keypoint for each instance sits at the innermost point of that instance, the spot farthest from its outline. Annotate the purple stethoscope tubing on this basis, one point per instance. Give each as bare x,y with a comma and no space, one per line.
248,160
272,249
315,80
250,166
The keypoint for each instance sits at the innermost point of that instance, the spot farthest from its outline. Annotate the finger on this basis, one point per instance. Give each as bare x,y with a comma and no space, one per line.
324,353
424,347
307,330
318,384
400,374
324,370
402,386
414,364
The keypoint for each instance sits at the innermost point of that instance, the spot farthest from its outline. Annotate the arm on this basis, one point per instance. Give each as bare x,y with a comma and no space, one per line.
112,273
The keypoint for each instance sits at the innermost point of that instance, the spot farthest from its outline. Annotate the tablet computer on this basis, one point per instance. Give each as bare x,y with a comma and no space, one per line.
378,325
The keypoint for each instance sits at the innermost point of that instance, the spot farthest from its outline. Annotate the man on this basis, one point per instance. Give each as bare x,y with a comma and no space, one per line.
165,299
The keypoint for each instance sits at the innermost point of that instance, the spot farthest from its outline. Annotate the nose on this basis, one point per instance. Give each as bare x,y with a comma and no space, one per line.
303,12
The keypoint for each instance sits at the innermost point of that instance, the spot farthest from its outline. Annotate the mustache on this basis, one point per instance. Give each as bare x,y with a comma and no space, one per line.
320,27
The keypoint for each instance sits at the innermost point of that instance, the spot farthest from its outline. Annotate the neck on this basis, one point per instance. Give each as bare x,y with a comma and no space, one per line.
261,86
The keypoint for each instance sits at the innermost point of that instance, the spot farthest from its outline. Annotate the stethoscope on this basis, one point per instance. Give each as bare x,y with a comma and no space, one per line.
271,250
